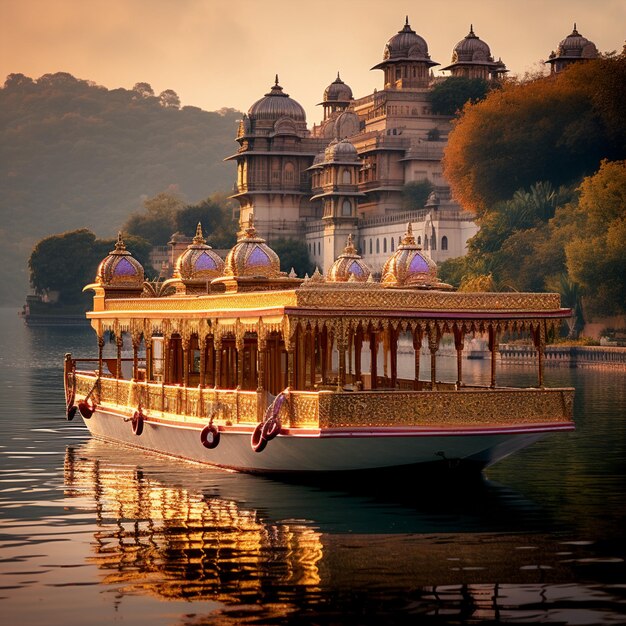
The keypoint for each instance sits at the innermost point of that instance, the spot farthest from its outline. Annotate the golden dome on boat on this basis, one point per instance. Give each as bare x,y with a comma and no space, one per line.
409,267
348,266
120,269
198,262
252,257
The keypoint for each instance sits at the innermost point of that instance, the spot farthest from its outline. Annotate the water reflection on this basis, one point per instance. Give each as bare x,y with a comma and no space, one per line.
266,549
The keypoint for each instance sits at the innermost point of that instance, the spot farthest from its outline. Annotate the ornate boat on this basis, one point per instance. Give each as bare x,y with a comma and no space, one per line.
248,368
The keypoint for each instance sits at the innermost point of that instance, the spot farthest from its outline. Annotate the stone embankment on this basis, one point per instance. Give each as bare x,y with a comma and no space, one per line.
566,356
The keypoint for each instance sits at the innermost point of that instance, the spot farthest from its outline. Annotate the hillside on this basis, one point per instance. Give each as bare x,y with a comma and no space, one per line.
75,154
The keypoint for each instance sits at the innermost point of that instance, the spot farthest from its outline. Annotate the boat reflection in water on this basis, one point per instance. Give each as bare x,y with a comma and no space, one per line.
266,549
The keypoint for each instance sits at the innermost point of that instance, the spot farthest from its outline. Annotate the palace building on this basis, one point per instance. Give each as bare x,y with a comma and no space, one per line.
345,176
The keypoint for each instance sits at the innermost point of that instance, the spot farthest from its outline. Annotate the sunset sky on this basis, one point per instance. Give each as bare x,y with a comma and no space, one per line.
225,54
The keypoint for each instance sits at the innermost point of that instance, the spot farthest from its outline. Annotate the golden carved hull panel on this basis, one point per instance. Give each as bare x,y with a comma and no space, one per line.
466,408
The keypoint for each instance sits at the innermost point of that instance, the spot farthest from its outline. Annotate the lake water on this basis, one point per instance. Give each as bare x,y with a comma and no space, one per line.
96,534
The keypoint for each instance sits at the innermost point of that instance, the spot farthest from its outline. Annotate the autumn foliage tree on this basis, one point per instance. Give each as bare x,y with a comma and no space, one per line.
554,129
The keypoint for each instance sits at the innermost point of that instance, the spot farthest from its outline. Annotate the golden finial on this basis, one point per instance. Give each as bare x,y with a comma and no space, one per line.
317,276
276,81
349,249
471,33
293,274
119,244
199,238
406,22
408,239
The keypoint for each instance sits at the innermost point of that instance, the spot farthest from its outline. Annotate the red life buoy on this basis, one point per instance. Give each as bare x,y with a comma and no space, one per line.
86,408
271,428
137,422
258,442
210,436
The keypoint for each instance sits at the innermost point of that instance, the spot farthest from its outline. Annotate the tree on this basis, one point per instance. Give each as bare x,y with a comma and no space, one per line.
67,262
215,216
158,223
554,128
143,90
415,194
595,257
169,99
64,263
450,96
293,253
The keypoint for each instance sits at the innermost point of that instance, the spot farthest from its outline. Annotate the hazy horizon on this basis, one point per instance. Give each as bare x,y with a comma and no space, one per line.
216,54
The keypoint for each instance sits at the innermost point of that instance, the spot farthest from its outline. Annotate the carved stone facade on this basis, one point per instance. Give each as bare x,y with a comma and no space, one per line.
287,180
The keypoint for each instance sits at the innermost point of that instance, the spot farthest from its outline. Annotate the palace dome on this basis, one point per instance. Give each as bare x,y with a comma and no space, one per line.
198,262
338,91
406,45
348,264
275,105
408,267
471,49
575,46
120,269
346,124
252,257
340,151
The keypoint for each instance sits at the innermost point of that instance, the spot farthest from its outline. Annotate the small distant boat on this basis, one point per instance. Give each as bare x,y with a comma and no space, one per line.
477,349
249,369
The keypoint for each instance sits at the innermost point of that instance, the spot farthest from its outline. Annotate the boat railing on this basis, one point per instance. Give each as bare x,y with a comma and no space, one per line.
225,405
444,407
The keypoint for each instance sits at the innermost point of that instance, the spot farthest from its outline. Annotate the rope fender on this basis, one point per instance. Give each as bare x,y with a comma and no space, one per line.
210,434
271,425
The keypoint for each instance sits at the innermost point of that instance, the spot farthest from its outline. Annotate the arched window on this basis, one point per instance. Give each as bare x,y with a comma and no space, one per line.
289,172
433,242
346,177
392,242
370,246
346,207
419,240
385,245
444,243
377,246
425,242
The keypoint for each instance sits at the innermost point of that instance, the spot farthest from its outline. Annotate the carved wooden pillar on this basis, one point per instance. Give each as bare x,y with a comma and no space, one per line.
374,358
323,358
261,356
217,345
386,343
149,365
100,351
202,345
493,348
291,351
393,351
417,347
300,362
119,342
433,346
240,355
459,335
539,339
210,362
185,343
341,349
165,369
135,358
358,346
312,360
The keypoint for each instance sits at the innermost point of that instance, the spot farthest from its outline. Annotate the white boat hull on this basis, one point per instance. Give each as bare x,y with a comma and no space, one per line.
325,450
